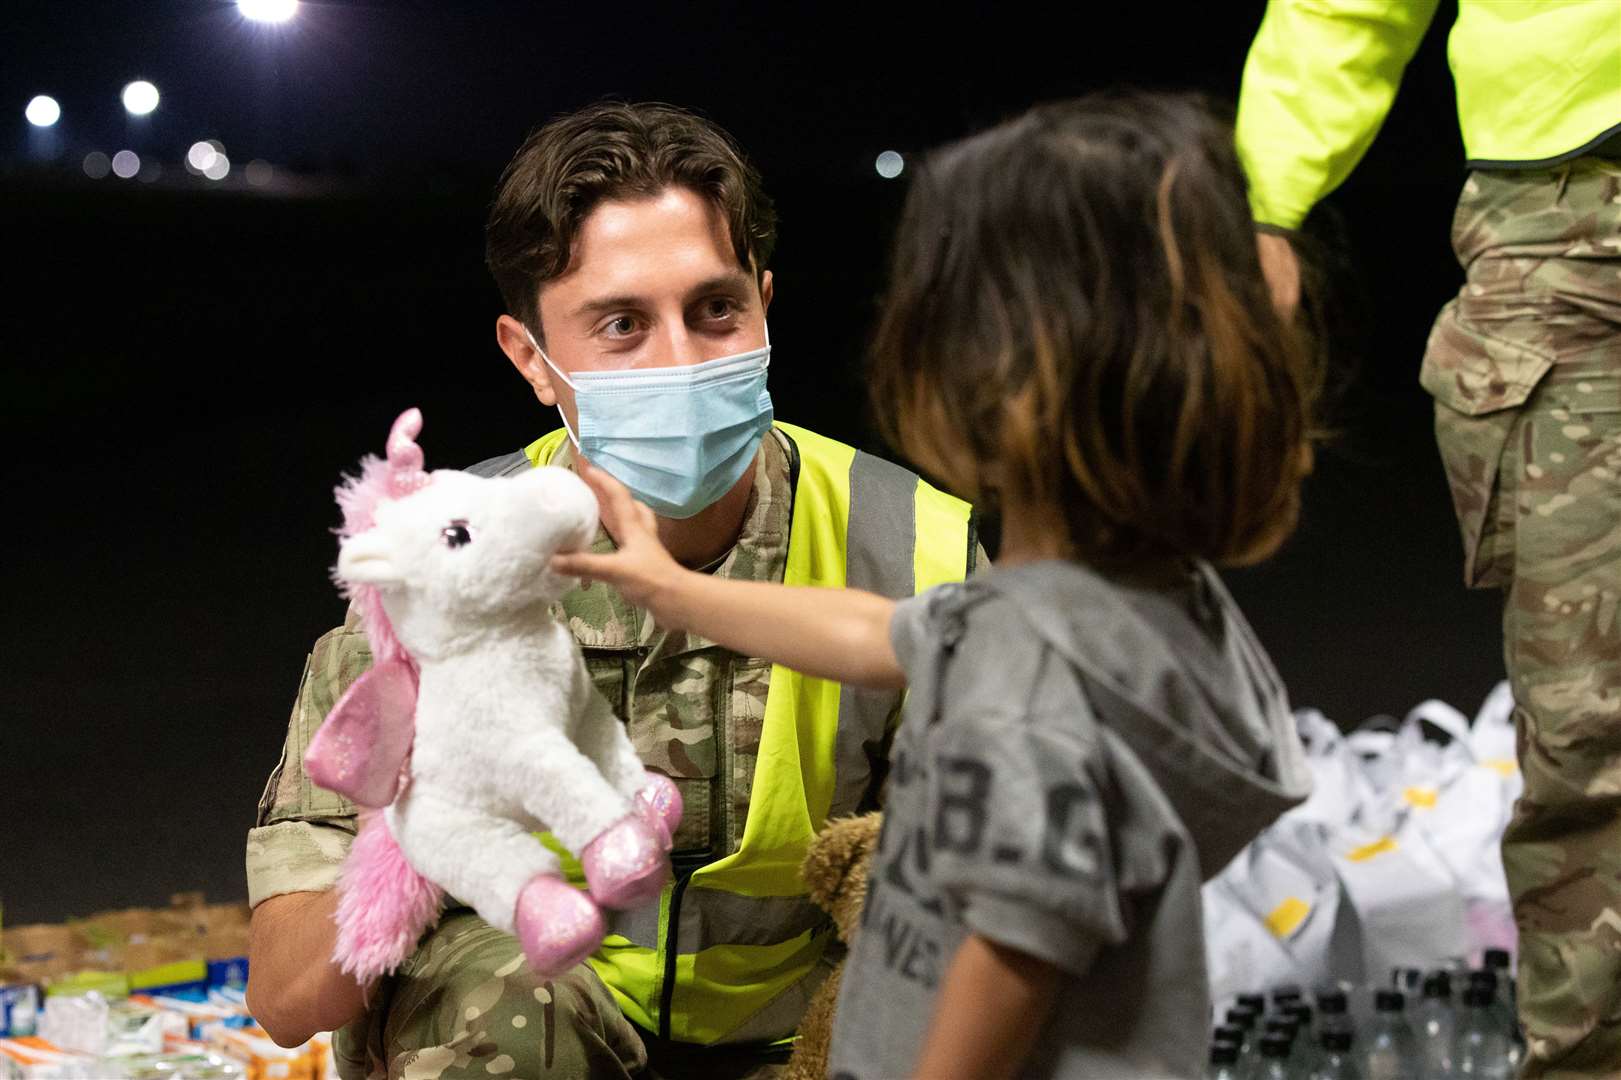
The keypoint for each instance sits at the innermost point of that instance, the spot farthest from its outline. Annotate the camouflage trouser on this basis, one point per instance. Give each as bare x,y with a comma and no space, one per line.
1525,366
466,1005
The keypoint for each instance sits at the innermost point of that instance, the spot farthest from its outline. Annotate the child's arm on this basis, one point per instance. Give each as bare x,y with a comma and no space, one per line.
840,634
991,1007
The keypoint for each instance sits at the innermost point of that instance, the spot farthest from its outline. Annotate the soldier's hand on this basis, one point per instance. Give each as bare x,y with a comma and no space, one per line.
641,569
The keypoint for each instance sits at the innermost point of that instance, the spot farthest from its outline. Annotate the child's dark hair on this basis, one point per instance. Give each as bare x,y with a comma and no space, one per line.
1077,318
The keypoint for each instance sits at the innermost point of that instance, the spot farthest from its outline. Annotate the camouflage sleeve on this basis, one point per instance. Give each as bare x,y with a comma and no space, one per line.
302,832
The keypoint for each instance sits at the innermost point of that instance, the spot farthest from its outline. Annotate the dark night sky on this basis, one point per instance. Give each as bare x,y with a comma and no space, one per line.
188,367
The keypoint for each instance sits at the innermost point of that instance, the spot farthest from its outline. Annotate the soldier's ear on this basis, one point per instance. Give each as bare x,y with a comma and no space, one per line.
514,341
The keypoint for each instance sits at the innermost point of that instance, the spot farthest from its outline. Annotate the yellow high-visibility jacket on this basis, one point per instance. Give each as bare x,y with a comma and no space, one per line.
1538,82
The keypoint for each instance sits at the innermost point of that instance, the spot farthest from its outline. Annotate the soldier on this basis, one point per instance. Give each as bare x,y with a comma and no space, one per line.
630,243
1525,369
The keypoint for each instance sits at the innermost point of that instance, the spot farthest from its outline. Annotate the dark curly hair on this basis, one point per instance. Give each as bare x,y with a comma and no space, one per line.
613,150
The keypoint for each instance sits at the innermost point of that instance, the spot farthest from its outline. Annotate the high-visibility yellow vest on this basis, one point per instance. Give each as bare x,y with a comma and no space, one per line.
731,952
1538,81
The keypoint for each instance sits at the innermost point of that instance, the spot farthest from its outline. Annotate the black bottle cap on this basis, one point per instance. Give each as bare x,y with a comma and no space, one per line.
1239,1016
1285,993
1224,1053
1254,1001
1331,1001
1338,1041
1299,1012
1389,1001
1276,1046
1478,997
1227,1033
1496,960
1279,1025
1438,984
1486,980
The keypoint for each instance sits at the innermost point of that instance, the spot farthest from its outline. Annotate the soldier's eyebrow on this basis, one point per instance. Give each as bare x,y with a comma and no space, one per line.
603,305
738,282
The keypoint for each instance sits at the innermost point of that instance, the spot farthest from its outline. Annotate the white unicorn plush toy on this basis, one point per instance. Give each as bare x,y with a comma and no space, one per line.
478,723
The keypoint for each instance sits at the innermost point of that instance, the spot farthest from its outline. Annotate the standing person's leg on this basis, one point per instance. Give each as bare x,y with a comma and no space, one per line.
466,1005
1562,645
1526,369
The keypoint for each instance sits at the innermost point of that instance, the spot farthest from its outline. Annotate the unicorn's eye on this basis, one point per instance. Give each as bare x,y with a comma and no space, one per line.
455,534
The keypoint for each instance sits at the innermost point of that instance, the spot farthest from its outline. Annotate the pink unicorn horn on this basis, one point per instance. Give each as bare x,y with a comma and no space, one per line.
405,456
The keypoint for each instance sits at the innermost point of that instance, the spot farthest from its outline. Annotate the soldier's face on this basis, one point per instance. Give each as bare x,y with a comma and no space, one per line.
653,283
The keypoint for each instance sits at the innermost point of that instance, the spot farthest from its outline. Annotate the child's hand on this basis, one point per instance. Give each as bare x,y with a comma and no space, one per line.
642,570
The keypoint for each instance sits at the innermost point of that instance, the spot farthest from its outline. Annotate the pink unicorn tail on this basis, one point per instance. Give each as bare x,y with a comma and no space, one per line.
384,905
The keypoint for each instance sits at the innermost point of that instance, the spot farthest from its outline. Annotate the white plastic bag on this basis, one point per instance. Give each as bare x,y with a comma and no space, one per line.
1392,862
1271,913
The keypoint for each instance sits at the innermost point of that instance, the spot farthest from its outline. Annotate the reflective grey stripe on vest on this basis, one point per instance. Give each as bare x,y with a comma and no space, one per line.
880,541
716,917
505,465
782,1016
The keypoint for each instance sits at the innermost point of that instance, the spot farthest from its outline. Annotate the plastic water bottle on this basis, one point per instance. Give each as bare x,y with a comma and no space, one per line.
1389,1051
1304,1018
1273,1064
1283,995
1502,1008
1434,1023
1498,961
1223,1062
1480,1047
1407,980
1281,1025
1335,1061
1243,1016
1246,1021
1304,1058
1333,1012
1502,964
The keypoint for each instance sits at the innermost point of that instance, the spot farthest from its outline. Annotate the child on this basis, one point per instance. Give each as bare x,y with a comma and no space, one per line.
1078,334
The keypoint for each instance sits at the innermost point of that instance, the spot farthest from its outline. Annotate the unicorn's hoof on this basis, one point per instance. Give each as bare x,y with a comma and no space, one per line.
558,925
625,866
659,804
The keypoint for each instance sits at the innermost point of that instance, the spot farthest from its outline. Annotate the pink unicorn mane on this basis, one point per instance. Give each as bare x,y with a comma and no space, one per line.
380,480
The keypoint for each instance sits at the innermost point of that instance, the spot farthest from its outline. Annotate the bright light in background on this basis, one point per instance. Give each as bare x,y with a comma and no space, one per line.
126,163
258,172
889,164
43,111
202,154
140,97
269,11
219,168
96,165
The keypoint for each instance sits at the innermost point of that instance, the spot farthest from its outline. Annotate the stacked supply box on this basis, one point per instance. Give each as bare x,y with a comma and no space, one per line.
140,994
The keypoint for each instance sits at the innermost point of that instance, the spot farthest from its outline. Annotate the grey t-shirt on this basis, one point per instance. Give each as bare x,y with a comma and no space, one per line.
1020,811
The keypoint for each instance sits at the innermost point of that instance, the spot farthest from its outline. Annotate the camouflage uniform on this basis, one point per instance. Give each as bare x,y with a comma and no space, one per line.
465,1004
1525,367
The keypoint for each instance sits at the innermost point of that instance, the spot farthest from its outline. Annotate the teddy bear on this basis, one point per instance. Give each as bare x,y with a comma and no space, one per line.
835,872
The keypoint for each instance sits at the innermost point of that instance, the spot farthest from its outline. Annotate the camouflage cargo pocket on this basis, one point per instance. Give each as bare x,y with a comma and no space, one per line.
1471,430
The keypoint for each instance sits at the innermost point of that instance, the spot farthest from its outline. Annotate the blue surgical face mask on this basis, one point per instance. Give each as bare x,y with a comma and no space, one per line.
677,437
